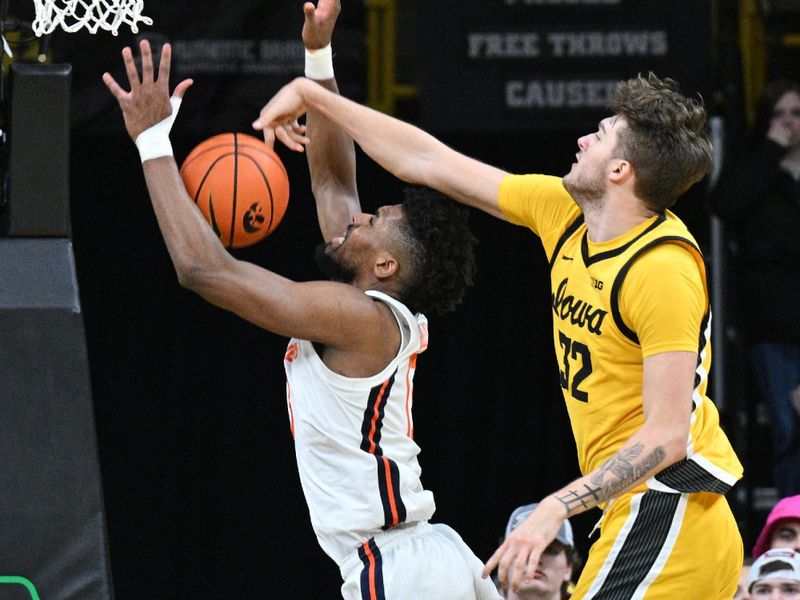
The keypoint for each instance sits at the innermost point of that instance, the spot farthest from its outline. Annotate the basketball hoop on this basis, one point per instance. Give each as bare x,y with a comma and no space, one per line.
73,15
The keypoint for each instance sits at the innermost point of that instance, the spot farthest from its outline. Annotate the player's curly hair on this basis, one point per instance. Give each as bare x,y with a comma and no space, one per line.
666,140
438,248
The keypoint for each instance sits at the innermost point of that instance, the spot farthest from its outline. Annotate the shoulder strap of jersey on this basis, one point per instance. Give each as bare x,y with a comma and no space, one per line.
623,272
573,227
411,326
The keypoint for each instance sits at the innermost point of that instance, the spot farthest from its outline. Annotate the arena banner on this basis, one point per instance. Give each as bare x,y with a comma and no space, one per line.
511,65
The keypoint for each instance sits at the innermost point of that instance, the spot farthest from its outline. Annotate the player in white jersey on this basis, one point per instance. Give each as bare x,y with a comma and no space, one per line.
358,467
350,379
364,424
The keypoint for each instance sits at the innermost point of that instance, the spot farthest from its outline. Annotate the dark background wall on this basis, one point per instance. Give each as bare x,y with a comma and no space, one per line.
201,490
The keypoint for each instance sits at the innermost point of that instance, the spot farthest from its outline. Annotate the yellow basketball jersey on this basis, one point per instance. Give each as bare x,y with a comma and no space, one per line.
613,304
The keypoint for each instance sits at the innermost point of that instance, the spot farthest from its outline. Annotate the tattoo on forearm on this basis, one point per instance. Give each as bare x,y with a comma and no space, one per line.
574,498
622,470
621,464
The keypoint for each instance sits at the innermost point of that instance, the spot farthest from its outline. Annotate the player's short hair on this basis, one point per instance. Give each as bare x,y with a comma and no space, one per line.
666,139
438,248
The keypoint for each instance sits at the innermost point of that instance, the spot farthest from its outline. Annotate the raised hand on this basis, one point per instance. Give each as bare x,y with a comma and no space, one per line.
148,101
319,22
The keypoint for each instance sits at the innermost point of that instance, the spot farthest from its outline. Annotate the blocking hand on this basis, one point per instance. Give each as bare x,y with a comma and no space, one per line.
279,117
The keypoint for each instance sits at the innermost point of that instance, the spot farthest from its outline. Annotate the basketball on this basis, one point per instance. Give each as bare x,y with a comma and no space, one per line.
239,184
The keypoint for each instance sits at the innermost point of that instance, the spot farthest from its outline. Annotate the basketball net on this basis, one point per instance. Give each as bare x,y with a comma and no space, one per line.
73,15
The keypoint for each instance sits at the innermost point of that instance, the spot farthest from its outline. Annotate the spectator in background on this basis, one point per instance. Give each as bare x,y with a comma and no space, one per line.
782,529
557,565
760,197
775,575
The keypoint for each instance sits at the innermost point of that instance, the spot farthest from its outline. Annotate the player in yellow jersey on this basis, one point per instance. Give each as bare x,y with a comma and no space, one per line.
631,332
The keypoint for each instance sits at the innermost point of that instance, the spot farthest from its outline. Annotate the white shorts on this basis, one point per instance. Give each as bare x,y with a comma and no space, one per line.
418,561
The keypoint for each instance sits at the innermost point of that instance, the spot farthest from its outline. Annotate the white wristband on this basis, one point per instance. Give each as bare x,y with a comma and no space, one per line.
154,141
319,63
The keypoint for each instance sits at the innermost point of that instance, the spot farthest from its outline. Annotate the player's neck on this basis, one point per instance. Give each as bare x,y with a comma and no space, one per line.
613,216
368,281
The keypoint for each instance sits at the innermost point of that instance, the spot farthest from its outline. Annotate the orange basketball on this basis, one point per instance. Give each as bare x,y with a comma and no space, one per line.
239,184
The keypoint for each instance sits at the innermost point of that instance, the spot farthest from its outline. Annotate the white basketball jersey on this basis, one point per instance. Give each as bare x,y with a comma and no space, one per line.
354,441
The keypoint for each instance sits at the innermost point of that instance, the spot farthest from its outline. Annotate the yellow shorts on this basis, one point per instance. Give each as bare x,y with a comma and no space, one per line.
659,546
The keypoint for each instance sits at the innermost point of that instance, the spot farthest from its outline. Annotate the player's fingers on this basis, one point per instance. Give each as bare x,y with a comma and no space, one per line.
504,567
147,61
265,120
295,136
269,137
130,67
287,140
491,564
297,128
181,88
164,64
329,7
113,86
530,565
517,569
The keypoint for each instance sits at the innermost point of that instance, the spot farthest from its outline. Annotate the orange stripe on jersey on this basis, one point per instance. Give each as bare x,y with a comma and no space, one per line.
387,472
376,414
372,573
373,593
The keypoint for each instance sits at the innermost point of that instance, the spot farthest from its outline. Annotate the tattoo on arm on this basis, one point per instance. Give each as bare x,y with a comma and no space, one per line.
573,498
623,472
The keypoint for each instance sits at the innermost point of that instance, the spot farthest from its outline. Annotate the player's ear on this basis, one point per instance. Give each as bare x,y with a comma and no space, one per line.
385,265
620,170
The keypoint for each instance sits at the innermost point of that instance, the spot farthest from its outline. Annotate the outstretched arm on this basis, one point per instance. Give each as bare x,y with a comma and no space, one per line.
402,149
661,441
332,157
335,314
